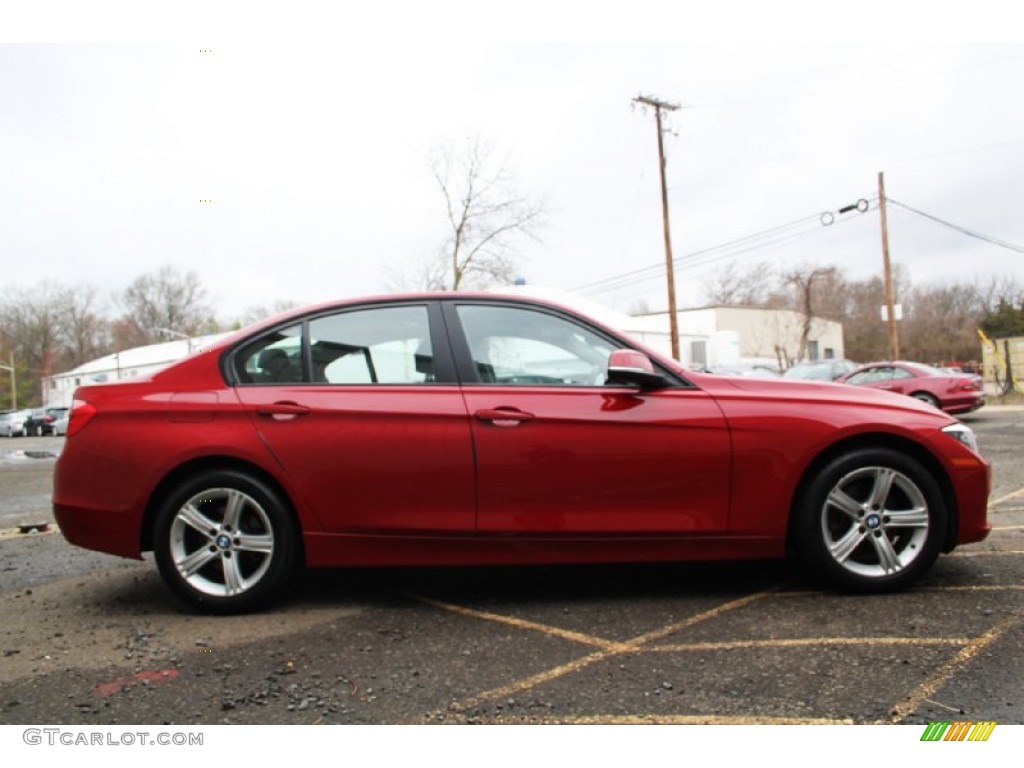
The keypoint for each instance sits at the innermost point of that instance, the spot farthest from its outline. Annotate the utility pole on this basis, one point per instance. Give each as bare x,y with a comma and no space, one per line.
894,341
658,106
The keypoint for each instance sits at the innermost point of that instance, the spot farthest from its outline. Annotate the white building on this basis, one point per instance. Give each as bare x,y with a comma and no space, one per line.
59,389
711,336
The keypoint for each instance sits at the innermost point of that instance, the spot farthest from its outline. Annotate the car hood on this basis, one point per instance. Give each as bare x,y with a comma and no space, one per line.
731,387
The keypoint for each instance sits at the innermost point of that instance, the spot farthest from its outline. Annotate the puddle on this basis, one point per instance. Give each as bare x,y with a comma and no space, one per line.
17,456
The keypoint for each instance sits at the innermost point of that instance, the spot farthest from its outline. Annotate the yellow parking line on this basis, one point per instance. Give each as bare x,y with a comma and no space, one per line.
1007,497
928,688
803,642
628,646
14,533
565,634
989,553
1009,528
659,720
976,588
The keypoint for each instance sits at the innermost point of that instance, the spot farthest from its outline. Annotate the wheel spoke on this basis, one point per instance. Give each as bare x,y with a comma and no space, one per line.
233,580
253,542
845,503
883,484
233,510
843,548
887,557
191,516
191,564
908,518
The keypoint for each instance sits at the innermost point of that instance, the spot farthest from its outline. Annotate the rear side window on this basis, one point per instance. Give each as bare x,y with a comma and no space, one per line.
272,359
382,345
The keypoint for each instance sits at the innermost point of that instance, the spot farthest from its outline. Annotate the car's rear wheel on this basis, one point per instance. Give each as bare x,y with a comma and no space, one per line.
871,520
226,542
924,397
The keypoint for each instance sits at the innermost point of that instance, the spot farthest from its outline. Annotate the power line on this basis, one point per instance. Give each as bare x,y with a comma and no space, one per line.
761,240
764,239
962,230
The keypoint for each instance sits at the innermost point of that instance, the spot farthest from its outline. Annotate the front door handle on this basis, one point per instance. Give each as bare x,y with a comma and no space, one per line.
503,417
281,410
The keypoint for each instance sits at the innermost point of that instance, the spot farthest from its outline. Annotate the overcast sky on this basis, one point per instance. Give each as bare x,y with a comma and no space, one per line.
315,156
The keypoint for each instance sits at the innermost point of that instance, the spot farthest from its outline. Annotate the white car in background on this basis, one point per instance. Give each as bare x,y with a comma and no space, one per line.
12,424
60,426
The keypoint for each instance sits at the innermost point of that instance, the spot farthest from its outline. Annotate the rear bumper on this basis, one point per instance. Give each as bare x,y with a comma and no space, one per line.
100,529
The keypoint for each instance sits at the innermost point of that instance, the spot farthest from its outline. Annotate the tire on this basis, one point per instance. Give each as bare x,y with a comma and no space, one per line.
924,397
226,542
872,520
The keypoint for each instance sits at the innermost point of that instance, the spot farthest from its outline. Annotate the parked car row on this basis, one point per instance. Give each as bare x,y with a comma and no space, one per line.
34,422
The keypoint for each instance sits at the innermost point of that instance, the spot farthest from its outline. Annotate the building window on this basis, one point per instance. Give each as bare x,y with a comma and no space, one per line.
812,350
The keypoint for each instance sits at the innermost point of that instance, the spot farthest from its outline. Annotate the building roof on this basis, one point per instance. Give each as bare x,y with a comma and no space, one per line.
150,357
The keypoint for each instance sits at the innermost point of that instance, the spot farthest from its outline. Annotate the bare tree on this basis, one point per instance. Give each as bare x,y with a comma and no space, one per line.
86,331
259,312
733,286
33,327
165,299
804,285
486,215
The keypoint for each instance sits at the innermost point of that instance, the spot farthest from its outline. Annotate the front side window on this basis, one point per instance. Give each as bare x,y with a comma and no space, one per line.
511,345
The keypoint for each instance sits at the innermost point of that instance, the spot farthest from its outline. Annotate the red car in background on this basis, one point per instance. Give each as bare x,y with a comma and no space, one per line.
950,392
445,429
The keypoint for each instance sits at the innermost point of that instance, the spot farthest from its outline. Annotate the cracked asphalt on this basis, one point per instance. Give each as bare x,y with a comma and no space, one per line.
91,639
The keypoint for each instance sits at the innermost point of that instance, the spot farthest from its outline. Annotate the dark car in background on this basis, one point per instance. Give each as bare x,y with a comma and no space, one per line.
41,420
950,392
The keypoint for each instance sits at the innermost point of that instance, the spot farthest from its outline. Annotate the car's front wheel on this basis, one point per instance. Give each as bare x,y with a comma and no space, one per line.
871,520
226,542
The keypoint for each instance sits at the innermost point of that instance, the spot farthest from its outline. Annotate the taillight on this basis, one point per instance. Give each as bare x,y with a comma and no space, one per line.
81,414
962,385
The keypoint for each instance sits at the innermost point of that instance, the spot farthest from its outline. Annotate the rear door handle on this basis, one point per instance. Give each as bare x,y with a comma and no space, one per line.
281,410
503,417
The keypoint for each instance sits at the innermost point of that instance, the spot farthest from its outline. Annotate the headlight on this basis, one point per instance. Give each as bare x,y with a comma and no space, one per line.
964,434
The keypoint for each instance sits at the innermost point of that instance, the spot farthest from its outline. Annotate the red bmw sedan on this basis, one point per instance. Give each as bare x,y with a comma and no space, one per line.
479,429
952,392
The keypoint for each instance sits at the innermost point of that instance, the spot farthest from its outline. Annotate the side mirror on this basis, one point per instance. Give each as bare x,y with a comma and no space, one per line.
627,367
